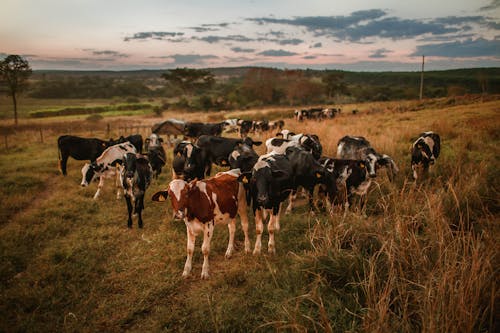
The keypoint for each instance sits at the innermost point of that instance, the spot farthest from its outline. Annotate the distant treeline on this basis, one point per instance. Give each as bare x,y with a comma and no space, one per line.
253,86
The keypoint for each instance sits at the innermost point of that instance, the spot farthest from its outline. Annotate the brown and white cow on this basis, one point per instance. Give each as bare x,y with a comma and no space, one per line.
204,203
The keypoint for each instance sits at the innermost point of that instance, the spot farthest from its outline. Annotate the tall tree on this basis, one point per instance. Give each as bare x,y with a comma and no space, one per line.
15,71
189,79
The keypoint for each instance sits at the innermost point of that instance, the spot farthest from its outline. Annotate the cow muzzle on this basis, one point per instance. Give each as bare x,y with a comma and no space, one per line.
179,215
262,199
372,175
84,184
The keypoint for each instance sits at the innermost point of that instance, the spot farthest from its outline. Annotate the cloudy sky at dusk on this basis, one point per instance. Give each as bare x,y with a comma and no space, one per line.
371,35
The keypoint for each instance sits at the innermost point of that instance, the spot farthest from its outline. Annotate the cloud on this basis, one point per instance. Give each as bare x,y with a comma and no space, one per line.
114,54
461,49
277,53
316,45
159,35
210,27
217,39
309,57
493,5
293,41
190,59
380,53
242,50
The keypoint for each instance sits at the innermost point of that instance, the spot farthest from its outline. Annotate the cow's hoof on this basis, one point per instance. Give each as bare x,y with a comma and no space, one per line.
204,276
185,274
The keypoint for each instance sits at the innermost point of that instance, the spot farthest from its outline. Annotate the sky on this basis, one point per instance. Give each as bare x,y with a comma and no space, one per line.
357,35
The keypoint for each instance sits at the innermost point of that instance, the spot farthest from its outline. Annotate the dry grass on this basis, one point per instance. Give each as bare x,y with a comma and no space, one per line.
424,258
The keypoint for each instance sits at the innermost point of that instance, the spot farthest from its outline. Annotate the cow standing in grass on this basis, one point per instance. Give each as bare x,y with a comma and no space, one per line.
79,148
202,204
424,152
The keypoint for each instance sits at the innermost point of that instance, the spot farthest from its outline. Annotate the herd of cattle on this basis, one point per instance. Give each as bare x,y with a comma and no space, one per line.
291,161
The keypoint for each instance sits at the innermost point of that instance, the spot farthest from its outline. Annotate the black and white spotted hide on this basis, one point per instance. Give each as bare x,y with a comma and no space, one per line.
135,176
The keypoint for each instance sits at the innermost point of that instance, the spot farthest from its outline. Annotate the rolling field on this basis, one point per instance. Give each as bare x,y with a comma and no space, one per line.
424,257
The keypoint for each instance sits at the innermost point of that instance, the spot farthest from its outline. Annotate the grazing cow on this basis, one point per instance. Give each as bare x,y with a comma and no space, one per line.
276,125
135,139
217,149
424,152
156,154
349,175
231,125
270,183
260,126
78,148
245,127
195,130
300,115
105,167
206,203
315,113
307,173
135,177
358,148
308,141
196,165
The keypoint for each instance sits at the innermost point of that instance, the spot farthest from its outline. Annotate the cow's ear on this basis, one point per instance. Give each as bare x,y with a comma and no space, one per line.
160,196
279,135
244,177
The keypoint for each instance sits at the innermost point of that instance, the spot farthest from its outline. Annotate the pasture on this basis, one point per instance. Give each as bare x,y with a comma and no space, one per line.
424,257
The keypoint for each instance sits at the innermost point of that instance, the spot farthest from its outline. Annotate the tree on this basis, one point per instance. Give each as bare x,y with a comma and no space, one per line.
334,84
189,79
15,71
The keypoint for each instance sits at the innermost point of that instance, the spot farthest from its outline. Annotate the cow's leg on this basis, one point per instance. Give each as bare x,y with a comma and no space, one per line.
242,212
118,184
230,245
259,227
129,208
291,198
208,231
277,218
139,206
63,162
99,187
191,239
271,227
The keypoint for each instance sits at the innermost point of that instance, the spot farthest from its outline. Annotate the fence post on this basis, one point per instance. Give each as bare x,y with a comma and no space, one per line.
41,135
6,141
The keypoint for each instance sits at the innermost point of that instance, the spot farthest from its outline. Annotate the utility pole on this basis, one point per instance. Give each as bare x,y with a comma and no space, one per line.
422,79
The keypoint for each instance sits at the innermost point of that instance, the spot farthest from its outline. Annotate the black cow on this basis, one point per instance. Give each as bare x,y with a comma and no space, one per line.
424,152
351,179
217,149
270,183
135,139
307,173
79,148
157,157
195,164
245,127
358,148
135,178
195,130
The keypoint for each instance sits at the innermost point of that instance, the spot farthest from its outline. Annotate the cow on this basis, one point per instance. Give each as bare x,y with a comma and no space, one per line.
78,148
195,164
105,167
285,134
260,126
358,148
308,141
156,154
202,204
135,139
269,184
231,125
307,173
135,177
351,178
195,129
243,157
245,127
300,115
424,152
217,149
276,125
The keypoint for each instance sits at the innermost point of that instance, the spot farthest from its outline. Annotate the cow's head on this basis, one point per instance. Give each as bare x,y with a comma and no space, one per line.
421,158
89,173
371,165
264,180
311,143
243,157
177,191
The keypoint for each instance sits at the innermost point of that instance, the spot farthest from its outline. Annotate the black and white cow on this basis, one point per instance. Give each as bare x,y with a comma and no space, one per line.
79,148
105,167
307,173
156,153
135,139
260,126
217,149
285,134
307,141
424,152
195,129
270,183
231,125
276,125
135,177
245,127
193,161
358,148
351,178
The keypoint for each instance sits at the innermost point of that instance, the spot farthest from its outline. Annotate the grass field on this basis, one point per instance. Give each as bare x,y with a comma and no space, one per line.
424,258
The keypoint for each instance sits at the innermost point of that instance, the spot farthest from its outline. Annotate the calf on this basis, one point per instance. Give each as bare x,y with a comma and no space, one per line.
358,148
78,148
105,167
135,177
269,185
349,175
424,152
203,204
